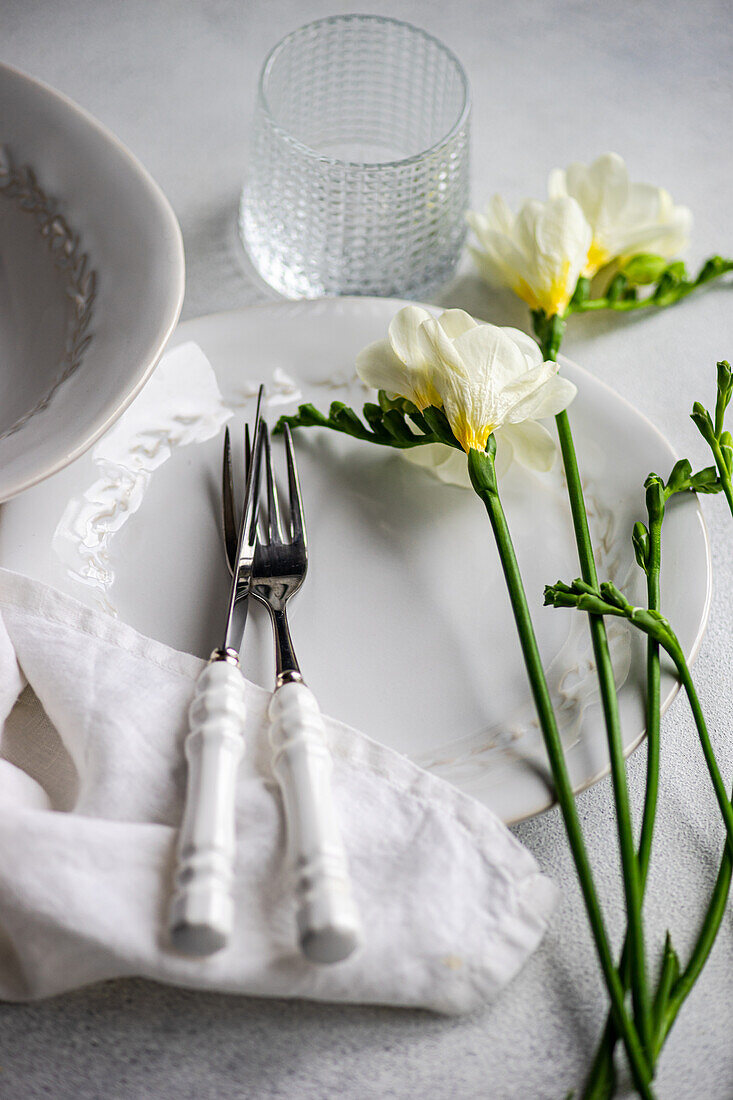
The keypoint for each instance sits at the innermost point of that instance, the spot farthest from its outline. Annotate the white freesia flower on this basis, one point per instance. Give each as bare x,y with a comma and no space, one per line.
486,379
540,253
403,363
626,218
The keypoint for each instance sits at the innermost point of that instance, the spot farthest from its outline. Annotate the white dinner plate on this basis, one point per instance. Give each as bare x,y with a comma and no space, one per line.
91,279
403,626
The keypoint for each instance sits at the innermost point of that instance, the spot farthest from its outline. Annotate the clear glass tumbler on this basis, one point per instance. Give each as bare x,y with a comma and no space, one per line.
358,176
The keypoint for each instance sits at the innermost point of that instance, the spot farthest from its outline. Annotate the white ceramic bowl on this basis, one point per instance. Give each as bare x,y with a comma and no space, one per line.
91,280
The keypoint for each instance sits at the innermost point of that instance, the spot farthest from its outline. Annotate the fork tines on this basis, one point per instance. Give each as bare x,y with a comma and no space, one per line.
274,531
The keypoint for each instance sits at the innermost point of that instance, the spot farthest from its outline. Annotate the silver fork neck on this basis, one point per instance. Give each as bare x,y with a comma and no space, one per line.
286,663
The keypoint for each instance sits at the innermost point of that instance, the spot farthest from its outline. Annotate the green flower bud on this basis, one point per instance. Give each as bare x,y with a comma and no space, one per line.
654,498
582,291
725,390
645,268
394,424
703,421
617,287
394,401
373,415
677,271
640,540
679,479
345,417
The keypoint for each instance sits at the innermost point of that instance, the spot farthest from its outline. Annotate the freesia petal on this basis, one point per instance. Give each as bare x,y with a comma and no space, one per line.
404,335
500,215
644,205
504,452
562,232
488,351
429,455
456,321
626,218
473,397
532,444
554,396
490,269
519,399
525,226
454,470
600,188
445,463
557,184
447,356
379,367
547,400
526,344
608,189
480,224
652,223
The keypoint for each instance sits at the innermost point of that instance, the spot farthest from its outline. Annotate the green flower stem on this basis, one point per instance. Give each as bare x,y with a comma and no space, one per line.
670,1006
549,331
726,809
653,701
609,699
672,990
723,472
670,289
482,472
601,1078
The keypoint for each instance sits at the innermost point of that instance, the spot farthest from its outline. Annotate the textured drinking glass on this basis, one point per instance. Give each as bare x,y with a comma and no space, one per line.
358,178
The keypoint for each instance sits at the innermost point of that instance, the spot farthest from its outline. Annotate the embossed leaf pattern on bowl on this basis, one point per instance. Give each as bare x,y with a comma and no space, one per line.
20,185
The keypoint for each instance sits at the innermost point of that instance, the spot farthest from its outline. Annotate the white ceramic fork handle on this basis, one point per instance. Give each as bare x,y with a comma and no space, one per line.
328,923
202,910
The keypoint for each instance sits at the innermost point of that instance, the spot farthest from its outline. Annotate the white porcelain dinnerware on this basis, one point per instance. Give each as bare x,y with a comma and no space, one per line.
91,279
405,622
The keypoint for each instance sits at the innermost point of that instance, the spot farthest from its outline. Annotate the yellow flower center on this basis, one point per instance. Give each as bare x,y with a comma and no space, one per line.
553,299
471,435
425,396
598,257
524,291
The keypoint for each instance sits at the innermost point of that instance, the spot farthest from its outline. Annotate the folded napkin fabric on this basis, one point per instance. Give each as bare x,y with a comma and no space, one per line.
92,773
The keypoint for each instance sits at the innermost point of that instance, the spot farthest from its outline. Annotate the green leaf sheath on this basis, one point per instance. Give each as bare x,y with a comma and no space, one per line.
483,477
669,285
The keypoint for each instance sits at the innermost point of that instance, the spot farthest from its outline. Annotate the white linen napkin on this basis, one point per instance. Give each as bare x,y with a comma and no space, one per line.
93,718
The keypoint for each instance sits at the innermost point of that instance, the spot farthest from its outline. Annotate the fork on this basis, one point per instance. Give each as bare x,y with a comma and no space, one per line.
328,924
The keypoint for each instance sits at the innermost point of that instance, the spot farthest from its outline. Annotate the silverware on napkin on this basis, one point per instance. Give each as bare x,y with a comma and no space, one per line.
329,929
201,913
